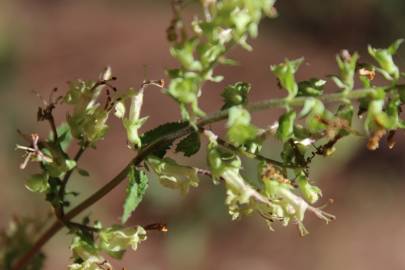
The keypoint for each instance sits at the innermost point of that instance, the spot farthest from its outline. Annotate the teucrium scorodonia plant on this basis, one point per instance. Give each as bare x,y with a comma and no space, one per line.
285,192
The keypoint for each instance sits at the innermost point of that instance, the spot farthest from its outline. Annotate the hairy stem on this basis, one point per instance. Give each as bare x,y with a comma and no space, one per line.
143,153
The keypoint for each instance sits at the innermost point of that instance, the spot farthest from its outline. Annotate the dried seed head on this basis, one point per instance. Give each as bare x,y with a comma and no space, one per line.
374,140
369,73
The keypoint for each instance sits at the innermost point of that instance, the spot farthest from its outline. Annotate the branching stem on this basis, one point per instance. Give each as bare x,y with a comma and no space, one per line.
144,152
240,151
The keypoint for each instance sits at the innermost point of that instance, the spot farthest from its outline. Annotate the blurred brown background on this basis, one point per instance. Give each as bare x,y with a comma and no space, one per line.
45,43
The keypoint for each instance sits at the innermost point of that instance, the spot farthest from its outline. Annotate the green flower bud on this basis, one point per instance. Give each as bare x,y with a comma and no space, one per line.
90,125
312,87
285,73
285,130
384,57
184,52
241,20
95,127
215,162
347,67
38,183
240,131
185,89
220,159
311,193
235,94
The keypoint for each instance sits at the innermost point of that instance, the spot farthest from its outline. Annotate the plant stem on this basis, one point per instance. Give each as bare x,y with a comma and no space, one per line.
66,178
23,261
143,153
240,151
51,121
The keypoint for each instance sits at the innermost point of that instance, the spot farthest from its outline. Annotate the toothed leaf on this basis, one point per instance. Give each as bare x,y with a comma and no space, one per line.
137,186
189,145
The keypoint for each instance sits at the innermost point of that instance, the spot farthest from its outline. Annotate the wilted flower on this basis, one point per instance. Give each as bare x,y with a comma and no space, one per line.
134,122
91,263
173,175
116,240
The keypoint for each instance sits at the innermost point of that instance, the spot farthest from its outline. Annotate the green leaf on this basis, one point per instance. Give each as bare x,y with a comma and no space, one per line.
137,185
159,132
64,135
235,94
285,129
83,172
189,145
393,48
